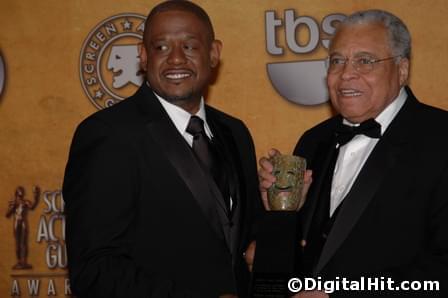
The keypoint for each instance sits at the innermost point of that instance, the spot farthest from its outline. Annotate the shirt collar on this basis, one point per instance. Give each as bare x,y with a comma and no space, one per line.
180,117
389,113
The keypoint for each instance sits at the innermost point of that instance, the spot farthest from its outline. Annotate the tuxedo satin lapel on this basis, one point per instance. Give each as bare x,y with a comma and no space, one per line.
175,148
201,186
225,140
382,159
322,163
360,195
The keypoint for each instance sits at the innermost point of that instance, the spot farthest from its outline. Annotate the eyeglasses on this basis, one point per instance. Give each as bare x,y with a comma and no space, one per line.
361,64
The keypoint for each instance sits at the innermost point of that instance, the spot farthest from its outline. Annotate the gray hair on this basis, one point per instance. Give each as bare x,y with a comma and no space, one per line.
399,36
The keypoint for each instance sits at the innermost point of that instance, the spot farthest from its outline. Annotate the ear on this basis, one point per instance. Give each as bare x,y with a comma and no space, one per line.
403,71
215,53
143,56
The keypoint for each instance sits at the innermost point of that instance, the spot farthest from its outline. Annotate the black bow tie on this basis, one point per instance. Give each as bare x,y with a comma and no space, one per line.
370,128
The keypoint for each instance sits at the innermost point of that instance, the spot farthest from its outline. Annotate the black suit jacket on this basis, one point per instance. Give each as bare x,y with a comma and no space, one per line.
394,220
143,219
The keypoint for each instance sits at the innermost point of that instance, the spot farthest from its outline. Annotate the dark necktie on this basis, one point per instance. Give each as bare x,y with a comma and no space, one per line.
200,142
345,133
207,157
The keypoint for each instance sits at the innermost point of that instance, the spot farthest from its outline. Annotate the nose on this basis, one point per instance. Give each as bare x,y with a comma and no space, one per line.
176,55
349,72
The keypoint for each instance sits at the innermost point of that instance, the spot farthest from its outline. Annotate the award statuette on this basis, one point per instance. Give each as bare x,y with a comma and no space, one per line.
277,239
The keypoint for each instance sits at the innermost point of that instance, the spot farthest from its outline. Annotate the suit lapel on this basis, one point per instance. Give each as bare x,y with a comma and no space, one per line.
321,166
382,159
225,141
179,154
360,195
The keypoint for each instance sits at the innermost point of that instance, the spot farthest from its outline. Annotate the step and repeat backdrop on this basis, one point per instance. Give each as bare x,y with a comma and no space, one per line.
61,61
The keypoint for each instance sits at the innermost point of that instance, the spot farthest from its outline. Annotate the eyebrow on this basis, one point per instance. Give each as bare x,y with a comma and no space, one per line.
164,38
357,54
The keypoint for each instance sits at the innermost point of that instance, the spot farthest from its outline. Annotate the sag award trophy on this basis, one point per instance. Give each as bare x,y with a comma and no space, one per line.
277,239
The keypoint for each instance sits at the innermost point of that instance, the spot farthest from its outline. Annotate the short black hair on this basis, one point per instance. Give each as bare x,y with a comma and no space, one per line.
180,5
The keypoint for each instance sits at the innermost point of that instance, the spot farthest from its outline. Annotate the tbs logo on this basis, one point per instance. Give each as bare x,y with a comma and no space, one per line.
301,81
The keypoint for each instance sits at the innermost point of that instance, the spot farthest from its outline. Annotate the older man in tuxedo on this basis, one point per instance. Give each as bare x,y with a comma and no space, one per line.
161,189
377,205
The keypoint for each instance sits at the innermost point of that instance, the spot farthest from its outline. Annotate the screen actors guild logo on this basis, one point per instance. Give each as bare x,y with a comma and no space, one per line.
2,74
18,209
109,60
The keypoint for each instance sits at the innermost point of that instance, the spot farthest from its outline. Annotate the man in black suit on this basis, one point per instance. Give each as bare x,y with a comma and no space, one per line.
378,202
161,189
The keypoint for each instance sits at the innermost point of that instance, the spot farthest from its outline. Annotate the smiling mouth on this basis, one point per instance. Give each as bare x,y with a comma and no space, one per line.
283,188
349,92
177,75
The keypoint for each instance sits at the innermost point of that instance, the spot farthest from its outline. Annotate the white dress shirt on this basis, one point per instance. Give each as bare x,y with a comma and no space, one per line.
354,154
